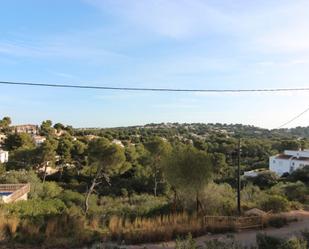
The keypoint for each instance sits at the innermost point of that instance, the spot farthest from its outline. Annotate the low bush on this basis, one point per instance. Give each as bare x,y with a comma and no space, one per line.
275,204
277,221
267,242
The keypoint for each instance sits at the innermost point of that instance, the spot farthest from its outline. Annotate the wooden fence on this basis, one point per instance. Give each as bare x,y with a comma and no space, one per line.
234,222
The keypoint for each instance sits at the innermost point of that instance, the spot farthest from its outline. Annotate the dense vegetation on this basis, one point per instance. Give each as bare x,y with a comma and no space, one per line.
87,183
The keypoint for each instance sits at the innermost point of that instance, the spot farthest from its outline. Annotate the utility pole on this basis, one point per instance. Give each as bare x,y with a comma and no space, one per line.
238,178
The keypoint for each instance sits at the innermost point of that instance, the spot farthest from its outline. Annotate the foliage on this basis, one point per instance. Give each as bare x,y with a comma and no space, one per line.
23,176
265,179
36,208
275,203
267,242
188,170
18,140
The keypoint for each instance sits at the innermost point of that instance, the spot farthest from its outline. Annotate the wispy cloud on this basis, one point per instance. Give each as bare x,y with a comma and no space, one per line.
79,44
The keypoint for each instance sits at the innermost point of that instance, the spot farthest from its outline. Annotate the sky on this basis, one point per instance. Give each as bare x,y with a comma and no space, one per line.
198,44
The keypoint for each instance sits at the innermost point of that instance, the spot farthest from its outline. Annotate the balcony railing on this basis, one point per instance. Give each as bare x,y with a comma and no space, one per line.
18,190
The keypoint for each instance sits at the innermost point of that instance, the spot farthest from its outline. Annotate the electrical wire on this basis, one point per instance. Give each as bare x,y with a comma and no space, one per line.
163,90
150,89
293,119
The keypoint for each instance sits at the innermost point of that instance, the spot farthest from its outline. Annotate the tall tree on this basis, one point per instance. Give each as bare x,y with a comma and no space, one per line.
47,156
46,128
188,170
105,160
158,149
18,140
78,154
5,124
65,146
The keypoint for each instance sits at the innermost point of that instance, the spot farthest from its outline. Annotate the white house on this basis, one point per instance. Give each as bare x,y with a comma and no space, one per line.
4,156
2,138
289,161
38,139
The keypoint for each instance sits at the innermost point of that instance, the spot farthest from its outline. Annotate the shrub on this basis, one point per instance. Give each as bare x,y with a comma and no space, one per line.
187,243
296,191
23,176
305,235
277,221
294,243
251,195
301,174
275,204
50,190
36,208
265,179
215,199
267,242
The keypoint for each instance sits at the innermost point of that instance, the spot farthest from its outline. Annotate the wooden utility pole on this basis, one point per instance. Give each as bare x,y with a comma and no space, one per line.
238,178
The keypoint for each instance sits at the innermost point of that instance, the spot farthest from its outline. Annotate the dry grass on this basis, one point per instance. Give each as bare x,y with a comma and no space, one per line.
8,227
161,228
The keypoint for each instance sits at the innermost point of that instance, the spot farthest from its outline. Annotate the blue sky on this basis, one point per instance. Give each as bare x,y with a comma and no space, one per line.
159,43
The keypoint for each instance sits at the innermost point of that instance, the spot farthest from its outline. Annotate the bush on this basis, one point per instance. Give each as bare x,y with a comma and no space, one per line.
23,176
267,242
301,174
275,204
36,208
296,191
277,221
294,243
265,179
215,199
50,190
305,235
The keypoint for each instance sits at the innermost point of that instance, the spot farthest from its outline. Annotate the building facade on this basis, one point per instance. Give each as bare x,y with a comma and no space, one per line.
289,161
4,156
29,128
2,138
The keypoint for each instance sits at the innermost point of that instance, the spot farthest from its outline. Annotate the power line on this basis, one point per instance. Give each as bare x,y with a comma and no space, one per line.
151,89
163,90
293,119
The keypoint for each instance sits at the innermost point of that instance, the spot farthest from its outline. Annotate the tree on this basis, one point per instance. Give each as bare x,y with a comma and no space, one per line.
59,126
64,149
158,149
15,141
46,128
105,160
301,174
189,170
218,162
288,145
265,179
78,154
5,124
46,155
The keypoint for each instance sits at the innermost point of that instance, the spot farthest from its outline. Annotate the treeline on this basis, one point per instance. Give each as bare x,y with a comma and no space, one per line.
84,179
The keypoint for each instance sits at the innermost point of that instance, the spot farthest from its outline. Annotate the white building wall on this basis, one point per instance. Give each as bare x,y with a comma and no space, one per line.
297,153
281,166
4,156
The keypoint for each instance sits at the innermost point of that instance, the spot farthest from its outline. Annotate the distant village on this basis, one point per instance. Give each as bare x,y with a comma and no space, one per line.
286,162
